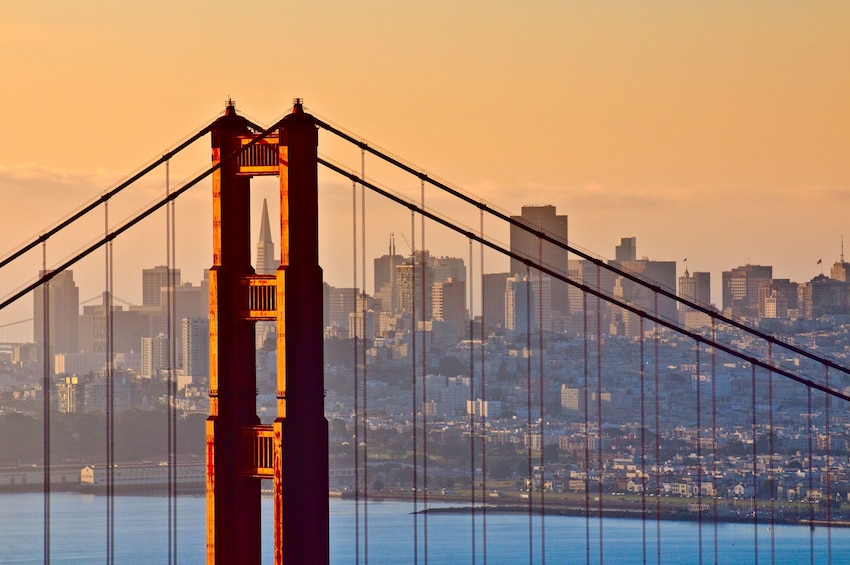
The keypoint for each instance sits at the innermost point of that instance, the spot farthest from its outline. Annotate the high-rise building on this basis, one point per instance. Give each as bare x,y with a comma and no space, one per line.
267,264
63,306
627,250
385,273
446,268
661,273
196,348
695,287
449,304
340,303
128,328
520,310
361,324
525,244
841,269
494,299
741,289
414,294
778,299
267,261
823,296
153,281
154,356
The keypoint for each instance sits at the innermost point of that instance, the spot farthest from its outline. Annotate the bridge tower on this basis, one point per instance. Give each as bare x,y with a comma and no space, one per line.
241,451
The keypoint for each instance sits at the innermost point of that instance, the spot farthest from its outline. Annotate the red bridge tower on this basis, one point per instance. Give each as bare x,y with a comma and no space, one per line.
240,451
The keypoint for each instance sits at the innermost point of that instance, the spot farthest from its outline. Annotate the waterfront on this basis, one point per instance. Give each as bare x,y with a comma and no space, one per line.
79,523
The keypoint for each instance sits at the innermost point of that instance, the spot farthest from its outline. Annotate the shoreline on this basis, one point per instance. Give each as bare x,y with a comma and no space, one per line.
621,509
552,507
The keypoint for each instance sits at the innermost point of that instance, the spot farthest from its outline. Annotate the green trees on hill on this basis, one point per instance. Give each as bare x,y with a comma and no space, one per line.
139,435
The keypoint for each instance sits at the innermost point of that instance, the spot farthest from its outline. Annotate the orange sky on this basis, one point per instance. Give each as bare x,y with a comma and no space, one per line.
716,131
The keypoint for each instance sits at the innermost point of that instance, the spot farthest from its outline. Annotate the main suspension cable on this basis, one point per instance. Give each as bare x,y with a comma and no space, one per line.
654,317
105,197
554,240
151,209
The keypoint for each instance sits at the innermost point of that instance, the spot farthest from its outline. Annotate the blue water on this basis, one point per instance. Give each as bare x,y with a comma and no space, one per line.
78,527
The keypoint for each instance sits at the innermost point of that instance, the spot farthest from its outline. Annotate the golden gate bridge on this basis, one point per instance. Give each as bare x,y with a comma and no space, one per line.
292,451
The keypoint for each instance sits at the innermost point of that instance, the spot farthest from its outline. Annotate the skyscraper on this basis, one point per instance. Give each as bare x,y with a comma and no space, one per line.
523,243
627,250
520,311
494,299
267,264
697,288
741,289
153,281
449,302
414,294
64,311
841,269
340,303
446,268
662,273
196,348
154,356
267,261
385,282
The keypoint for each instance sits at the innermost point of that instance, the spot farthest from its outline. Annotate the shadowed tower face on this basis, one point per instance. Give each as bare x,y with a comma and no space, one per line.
267,261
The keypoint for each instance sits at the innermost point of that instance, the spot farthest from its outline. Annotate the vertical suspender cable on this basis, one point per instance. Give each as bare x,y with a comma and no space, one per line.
472,424
424,272
699,452
599,408
169,397
529,431
755,471
363,360
107,318
45,393
809,470
828,463
642,376
174,323
541,427
770,476
414,387
714,434
658,465
483,387
586,412
171,412
110,335
356,382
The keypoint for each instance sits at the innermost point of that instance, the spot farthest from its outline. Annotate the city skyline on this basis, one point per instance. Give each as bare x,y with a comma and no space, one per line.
713,133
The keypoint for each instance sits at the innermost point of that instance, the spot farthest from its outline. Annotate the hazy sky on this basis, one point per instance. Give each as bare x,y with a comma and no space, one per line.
717,131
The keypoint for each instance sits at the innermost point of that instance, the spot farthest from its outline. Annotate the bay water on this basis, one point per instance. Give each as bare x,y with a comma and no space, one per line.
78,535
